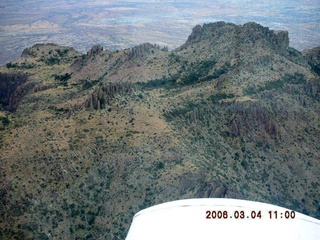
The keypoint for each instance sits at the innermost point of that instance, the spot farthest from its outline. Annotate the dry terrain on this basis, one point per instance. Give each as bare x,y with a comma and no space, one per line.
88,140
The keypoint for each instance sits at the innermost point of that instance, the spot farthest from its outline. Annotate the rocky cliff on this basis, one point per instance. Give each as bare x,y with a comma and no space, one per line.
313,58
241,36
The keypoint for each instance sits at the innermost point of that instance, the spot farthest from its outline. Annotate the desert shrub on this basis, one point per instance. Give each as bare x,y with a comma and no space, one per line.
157,83
272,85
5,121
250,90
181,112
173,58
160,165
219,96
52,60
296,78
11,65
244,164
21,66
63,78
88,84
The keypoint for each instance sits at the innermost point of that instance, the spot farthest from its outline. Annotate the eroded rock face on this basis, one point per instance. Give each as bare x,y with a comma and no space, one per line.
313,58
217,190
95,50
254,118
11,90
248,34
280,41
143,50
80,62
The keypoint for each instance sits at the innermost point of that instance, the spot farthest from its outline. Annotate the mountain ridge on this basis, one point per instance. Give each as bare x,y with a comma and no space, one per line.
88,140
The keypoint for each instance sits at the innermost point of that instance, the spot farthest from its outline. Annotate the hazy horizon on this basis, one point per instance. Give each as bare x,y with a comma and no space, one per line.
122,24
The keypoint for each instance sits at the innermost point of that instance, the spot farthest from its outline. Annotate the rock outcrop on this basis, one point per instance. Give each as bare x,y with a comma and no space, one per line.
95,50
313,58
143,50
246,35
82,61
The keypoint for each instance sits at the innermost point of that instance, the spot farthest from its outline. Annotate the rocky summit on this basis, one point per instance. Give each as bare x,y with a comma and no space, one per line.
88,140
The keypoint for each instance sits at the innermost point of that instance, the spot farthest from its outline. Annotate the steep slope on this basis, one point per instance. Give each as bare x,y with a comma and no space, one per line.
313,58
234,113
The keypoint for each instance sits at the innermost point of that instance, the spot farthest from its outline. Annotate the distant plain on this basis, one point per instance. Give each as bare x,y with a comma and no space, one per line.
122,24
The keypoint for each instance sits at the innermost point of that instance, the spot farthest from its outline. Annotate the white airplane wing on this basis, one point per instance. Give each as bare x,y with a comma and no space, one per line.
219,218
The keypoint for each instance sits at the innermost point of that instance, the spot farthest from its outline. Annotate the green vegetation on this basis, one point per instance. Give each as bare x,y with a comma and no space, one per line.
244,164
190,75
63,52
199,73
52,60
250,90
182,111
4,120
220,96
297,78
315,68
174,58
63,78
23,65
157,83
272,85
88,84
